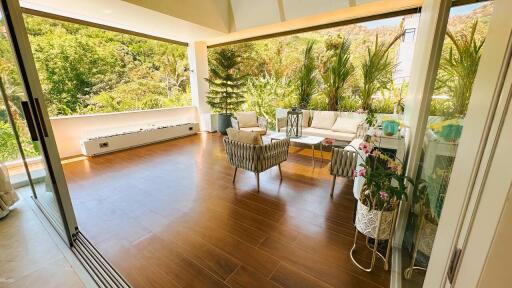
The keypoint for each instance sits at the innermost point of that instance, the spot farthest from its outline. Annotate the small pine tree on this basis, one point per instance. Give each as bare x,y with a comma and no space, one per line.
226,82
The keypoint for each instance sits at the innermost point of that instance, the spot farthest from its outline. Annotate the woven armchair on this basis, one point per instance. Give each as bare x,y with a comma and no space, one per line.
256,158
343,164
260,129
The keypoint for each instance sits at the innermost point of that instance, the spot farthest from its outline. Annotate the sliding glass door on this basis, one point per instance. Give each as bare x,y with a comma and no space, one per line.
31,154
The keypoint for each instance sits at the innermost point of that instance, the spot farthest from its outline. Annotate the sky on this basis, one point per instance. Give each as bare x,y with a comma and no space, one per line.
460,10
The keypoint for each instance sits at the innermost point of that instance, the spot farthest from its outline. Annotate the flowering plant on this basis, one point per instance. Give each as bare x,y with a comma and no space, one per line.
385,181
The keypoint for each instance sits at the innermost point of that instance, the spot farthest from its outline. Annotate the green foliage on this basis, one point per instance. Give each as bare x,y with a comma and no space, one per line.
9,149
226,82
268,90
80,68
458,67
377,69
306,77
338,71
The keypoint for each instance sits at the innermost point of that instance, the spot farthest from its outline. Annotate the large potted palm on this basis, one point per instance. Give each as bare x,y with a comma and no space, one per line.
226,82
338,70
377,70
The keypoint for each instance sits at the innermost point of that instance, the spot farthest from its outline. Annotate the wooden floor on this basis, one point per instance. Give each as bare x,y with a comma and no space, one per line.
168,215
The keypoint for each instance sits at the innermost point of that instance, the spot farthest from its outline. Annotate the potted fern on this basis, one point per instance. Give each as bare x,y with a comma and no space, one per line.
226,83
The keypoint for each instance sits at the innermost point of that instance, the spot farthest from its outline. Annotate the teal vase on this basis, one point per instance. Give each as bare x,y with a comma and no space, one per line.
390,127
451,132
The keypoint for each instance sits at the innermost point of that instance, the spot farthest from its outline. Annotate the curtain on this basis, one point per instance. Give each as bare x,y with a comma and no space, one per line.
7,194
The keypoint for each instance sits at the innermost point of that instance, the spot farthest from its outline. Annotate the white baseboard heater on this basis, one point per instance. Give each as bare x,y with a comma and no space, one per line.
132,136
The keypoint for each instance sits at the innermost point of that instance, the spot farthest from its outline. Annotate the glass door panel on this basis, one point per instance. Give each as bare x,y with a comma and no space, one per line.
26,150
463,46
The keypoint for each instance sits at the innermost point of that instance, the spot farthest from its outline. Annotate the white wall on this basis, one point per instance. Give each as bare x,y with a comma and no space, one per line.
69,130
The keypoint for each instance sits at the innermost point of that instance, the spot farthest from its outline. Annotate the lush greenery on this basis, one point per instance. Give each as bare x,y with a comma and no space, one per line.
338,70
306,77
87,70
225,92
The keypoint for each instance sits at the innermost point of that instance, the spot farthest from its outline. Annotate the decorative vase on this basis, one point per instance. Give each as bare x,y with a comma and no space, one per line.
367,222
224,122
390,127
451,132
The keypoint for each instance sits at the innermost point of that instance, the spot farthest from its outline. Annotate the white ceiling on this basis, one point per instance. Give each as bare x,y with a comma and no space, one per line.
215,21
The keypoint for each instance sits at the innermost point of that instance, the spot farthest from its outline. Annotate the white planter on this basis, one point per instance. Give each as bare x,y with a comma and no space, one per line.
367,222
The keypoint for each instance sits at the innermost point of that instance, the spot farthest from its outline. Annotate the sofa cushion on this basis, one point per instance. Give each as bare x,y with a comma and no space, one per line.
341,136
244,136
305,118
324,119
259,130
247,119
347,125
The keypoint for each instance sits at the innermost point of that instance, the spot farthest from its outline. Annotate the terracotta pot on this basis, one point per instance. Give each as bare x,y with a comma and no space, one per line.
367,222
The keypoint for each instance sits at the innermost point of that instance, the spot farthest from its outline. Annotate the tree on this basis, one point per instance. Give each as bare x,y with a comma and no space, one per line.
458,67
377,69
226,82
339,70
306,77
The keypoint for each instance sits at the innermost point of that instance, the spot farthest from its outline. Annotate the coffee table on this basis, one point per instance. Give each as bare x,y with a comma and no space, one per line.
304,140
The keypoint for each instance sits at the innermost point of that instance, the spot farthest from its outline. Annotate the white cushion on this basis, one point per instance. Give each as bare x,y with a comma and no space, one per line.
305,118
341,136
346,125
244,136
324,119
258,130
247,119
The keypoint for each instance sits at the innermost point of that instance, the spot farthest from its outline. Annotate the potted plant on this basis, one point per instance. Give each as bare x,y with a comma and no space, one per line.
226,82
450,130
383,189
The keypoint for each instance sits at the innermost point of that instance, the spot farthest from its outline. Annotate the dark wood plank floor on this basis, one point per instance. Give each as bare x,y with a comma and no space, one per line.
168,215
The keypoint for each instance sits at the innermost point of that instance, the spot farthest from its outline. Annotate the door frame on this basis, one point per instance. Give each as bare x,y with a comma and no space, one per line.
20,44
473,154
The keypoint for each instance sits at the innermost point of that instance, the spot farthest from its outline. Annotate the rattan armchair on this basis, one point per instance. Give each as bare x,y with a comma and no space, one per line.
256,158
343,164
260,129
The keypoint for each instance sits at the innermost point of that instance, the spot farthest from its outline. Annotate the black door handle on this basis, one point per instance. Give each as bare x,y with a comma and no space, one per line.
40,117
30,120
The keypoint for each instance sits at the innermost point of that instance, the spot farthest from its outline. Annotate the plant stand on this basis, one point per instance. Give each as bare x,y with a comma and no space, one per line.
423,242
377,225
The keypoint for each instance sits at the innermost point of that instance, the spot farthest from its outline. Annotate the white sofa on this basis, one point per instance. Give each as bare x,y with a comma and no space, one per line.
341,126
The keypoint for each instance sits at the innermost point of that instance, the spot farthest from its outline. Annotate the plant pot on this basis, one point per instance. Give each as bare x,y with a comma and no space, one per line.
390,127
224,122
367,222
451,132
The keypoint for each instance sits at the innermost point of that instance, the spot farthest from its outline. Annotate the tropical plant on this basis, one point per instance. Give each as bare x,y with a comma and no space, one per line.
377,69
226,82
338,70
385,180
306,77
458,67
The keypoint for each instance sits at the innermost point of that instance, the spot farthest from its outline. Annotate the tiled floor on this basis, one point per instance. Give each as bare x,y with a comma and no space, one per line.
29,256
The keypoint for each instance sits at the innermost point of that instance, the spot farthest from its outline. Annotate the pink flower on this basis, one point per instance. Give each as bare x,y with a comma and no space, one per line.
365,147
384,195
362,172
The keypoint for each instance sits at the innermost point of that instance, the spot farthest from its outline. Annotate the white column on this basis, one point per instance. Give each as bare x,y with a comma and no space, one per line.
198,62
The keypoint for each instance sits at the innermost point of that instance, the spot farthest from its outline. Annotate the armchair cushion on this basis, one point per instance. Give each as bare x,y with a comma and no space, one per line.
247,119
247,137
258,130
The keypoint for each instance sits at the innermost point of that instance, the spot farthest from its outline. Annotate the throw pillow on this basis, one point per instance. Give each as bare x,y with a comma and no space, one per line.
345,125
324,119
305,118
247,119
247,137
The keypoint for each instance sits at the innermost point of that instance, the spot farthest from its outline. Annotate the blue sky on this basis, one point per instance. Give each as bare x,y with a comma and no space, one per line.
460,10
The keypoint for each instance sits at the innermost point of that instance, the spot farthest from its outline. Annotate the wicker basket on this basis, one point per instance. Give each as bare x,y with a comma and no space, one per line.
367,222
